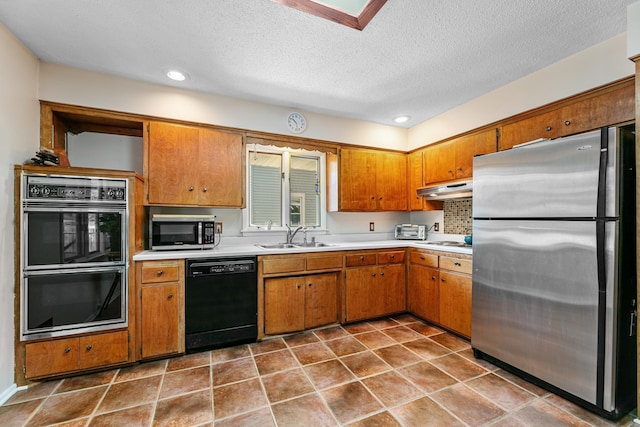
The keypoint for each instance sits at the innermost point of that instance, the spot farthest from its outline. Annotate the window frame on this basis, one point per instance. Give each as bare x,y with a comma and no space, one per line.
285,189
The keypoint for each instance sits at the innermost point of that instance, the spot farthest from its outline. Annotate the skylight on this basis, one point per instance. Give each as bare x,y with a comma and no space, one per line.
352,13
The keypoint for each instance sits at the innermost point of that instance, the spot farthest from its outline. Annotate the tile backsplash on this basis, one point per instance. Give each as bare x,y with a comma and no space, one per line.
457,216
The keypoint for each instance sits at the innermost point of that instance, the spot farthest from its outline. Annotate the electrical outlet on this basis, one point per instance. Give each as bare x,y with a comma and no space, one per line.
372,226
436,226
218,229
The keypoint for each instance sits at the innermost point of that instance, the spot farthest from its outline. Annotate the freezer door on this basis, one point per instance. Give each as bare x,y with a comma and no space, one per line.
550,179
535,300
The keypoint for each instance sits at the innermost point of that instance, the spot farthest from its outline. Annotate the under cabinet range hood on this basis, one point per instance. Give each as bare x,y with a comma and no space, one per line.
454,190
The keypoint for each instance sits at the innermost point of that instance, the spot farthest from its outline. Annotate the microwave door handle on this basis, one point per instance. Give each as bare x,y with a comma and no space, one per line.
199,233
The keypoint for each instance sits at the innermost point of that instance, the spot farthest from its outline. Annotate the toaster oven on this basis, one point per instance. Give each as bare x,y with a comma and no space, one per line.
411,232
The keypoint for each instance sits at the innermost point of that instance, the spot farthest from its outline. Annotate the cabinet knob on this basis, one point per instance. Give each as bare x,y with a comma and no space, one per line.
443,280
160,272
450,171
170,296
89,347
421,256
392,256
373,274
382,274
457,263
567,122
191,188
298,286
380,198
362,258
459,168
309,284
67,350
373,197
433,277
204,189
548,128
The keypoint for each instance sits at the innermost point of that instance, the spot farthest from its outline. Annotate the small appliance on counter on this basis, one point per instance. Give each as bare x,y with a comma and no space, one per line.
410,232
171,232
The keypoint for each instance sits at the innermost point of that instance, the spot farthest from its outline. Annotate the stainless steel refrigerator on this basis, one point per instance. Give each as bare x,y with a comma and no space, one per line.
554,266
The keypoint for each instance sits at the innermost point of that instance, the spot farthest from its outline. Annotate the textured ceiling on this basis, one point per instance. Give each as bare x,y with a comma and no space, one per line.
415,57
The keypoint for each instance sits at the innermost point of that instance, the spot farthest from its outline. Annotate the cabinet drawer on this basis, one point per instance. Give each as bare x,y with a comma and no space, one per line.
104,349
417,257
51,357
324,262
391,257
283,265
360,259
456,264
160,272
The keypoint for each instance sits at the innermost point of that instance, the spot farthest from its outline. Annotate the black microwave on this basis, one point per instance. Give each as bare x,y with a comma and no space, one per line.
171,232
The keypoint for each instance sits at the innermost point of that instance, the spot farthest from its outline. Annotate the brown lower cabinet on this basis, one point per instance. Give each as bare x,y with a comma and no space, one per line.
375,284
73,354
439,289
161,308
298,303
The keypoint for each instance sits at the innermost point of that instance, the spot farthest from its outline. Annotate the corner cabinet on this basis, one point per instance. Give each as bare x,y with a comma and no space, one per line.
193,166
371,181
160,286
415,180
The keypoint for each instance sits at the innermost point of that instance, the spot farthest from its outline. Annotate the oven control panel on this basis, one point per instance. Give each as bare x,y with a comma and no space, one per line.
75,188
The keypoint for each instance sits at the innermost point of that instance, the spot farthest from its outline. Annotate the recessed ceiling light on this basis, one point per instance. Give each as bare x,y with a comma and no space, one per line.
176,75
401,119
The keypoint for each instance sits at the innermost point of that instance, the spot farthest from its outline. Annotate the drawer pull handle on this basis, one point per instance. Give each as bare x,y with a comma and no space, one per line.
67,350
160,272
170,296
89,347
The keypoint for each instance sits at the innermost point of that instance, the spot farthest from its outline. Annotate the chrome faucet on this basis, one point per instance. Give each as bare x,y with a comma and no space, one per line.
291,234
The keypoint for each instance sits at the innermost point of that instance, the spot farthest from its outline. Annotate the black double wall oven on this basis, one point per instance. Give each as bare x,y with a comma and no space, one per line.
74,255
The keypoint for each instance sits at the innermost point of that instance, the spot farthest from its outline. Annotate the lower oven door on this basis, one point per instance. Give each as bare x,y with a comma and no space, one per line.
68,301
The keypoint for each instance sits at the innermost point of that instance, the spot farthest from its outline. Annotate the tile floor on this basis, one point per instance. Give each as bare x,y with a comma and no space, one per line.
391,372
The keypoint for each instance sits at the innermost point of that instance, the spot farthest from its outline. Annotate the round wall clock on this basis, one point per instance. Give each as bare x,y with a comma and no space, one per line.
296,122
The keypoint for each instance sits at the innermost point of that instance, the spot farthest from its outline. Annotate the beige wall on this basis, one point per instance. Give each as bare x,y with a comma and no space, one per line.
596,66
19,140
74,86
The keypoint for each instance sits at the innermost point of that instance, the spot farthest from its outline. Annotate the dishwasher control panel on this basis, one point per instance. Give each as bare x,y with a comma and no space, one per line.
215,267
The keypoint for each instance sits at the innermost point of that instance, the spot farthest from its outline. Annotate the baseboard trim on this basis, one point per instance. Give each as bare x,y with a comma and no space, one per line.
10,391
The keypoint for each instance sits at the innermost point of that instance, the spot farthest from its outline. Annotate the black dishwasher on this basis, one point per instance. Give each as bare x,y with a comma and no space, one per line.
221,302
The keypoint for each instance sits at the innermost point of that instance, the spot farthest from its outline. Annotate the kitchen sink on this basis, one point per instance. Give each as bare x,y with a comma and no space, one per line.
277,246
294,245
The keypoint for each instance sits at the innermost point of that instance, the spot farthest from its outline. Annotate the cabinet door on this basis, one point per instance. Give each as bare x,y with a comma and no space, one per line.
424,295
172,164
545,125
362,297
455,302
160,320
393,286
357,180
51,357
469,146
391,182
321,300
220,169
104,349
609,108
283,305
440,163
415,180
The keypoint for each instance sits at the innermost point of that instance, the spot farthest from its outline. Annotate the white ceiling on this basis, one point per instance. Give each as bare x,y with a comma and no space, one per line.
416,57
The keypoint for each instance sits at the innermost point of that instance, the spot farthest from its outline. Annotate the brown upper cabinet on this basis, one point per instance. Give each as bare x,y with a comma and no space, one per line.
453,159
415,180
612,105
193,166
370,180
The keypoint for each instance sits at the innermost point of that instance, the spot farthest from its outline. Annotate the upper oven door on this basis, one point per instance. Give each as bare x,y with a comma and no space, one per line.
73,237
